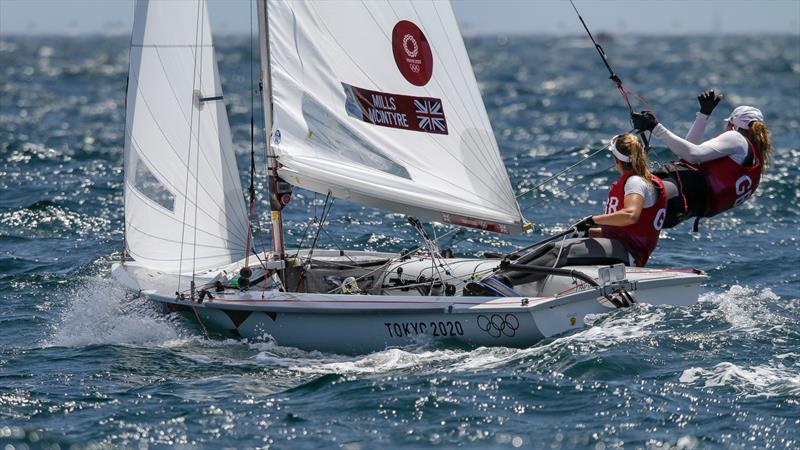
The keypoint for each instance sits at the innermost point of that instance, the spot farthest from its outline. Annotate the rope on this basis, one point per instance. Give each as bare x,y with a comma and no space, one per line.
189,154
251,190
562,172
197,160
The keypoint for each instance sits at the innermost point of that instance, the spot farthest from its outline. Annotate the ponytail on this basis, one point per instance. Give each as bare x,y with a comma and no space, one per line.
758,134
631,146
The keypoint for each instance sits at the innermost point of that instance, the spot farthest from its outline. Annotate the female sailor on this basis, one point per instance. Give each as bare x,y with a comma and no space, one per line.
627,232
636,206
718,174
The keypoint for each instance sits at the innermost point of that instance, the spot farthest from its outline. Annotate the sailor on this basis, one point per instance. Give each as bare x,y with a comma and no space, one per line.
718,174
636,206
627,232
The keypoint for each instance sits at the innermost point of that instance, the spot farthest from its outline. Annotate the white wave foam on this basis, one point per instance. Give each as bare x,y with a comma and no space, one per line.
741,306
762,380
744,308
630,324
604,331
98,313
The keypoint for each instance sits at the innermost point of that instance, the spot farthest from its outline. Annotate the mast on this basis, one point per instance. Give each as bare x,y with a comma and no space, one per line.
280,191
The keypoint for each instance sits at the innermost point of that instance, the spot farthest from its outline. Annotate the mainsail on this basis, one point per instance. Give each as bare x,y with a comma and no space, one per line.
376,102
184,209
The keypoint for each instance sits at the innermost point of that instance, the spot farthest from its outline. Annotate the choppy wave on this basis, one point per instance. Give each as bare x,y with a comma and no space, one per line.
758,380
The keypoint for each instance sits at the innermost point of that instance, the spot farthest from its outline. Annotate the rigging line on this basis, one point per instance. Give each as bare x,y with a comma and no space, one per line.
467,168
562,191
125,162
602,53
304,235
338,247
484,151
251,189
325,210
188,156
614,77
316,236
197,158
562,172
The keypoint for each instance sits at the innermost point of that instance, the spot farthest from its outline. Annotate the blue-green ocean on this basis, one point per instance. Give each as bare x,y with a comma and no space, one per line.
82,367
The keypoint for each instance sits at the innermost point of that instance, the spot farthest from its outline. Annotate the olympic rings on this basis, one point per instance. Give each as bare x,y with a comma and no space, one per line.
497,325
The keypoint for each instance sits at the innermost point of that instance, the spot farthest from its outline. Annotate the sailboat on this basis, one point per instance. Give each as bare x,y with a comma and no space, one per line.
372,102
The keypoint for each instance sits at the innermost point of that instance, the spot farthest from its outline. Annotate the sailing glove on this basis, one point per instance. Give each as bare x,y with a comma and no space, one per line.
644,121
584,224
708,101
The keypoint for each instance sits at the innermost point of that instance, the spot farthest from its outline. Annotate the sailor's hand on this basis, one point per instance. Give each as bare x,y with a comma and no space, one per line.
644,121
583,225
578,234
708,101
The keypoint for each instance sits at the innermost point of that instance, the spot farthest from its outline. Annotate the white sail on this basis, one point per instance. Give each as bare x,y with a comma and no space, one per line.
377,103
184,209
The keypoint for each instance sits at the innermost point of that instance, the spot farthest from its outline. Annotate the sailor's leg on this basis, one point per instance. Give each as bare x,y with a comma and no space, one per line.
580,251
570,252
595,251
686,193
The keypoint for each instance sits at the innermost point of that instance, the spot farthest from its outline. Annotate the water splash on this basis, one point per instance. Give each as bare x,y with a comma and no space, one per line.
744,308
98,313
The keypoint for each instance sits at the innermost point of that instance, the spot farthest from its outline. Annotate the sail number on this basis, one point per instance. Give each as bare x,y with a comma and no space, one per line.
437,329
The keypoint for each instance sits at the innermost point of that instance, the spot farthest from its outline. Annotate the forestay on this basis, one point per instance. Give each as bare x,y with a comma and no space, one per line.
377,103
184,209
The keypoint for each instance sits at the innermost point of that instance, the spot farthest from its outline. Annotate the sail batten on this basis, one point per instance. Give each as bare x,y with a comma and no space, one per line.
377,102
184,207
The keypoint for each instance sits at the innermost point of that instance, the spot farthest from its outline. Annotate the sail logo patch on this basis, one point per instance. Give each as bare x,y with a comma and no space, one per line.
424,114
412,53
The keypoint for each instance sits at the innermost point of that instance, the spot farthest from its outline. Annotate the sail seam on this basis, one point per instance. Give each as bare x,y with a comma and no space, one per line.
165,179
486,152
439,144
174,241
171,46
366,193
477,105
234,173
144,198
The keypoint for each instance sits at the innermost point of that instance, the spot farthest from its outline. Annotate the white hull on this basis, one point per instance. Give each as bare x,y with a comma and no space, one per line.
353,324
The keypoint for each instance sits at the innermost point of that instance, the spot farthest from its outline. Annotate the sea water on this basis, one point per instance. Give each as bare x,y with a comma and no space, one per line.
82,366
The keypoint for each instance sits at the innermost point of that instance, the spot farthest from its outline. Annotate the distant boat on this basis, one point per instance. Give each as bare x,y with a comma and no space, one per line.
373,102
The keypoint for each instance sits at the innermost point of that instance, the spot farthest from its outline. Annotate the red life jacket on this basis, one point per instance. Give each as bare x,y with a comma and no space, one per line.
729,183
639,239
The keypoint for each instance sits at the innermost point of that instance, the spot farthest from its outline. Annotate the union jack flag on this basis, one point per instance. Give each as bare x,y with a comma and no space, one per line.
430,115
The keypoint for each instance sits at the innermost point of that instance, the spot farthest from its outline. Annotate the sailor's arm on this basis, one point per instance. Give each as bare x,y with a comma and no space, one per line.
708,101
725,144
627,215
698,129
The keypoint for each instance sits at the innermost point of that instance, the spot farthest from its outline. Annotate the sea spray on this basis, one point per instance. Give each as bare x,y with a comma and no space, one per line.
99,313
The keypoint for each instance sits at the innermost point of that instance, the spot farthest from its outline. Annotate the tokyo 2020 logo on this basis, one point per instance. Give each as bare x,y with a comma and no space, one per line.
412,53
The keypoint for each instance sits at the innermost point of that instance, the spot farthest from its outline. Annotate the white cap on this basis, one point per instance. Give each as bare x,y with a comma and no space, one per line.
618,154
743,115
